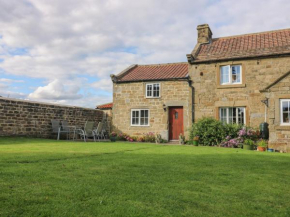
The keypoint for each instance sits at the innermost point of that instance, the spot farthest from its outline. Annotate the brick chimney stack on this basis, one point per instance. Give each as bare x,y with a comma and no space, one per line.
204,34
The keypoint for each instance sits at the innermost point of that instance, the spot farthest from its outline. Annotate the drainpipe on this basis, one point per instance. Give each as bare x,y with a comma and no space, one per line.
192,98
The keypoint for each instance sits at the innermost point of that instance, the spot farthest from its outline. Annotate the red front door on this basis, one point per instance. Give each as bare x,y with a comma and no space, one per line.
175,122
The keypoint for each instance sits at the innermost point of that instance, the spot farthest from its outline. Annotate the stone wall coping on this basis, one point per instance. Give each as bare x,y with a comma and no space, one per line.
43,103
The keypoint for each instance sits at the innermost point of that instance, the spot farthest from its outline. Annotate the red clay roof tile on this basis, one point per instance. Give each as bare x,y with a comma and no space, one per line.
105,106
242,46
155,72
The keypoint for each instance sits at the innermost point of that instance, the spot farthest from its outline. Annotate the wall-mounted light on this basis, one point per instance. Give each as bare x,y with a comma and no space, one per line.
201,73
266,101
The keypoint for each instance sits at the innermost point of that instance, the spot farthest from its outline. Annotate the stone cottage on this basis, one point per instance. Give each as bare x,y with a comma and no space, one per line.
153,98
237,79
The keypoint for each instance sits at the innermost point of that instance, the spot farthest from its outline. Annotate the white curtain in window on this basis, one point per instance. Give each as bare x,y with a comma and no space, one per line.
236,74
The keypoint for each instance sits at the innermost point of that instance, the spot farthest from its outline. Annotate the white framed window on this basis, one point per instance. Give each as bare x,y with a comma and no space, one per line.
140,117
232,115
230,74
285,111
153,90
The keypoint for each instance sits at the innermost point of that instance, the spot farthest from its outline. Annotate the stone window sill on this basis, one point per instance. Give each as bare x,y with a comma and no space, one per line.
231,86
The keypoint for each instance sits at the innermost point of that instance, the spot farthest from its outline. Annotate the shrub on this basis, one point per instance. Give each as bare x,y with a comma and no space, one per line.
212,132
113,134
249,142
140,139
124,137
149,137
244,135
262,143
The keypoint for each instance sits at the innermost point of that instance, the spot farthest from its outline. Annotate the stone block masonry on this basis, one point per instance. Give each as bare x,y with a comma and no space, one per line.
28,118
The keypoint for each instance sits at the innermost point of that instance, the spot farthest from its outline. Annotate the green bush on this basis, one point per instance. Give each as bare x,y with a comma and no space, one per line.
212,132
249,142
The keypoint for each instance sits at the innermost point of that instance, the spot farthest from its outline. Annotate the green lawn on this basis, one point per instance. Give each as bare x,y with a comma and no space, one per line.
50,178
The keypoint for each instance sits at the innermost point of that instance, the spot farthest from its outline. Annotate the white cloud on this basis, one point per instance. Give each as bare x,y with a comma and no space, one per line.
103,84
69,39
7,80
56,90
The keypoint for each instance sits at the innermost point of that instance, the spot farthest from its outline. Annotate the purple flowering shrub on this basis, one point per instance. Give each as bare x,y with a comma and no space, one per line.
246,133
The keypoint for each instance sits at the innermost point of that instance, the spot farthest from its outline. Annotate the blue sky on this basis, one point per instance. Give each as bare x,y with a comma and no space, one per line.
63,51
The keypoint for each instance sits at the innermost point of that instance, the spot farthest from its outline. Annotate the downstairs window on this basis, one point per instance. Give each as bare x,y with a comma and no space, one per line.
139,117
285,111
231,115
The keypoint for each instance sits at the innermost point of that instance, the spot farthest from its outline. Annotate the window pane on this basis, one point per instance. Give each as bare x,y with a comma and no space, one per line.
224,73
223,115
156,90
149,90
285,106
241,112
236,74
144,117
146,114
235,116
231,115
146,121
285,117
142,121
135,117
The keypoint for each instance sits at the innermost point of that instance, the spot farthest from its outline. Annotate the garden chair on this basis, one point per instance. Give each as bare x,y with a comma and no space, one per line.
99,133
87,131
65,128
55,127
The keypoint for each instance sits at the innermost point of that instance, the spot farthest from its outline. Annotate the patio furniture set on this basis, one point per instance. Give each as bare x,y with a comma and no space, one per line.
86,132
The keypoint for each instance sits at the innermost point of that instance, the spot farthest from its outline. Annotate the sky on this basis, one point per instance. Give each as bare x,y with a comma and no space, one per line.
63,51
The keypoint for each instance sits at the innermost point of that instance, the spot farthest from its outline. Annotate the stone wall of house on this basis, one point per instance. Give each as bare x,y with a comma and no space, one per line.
27,118
127,96
257,75
279,134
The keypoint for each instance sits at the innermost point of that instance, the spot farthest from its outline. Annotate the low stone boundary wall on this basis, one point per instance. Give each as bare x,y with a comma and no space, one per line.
28,118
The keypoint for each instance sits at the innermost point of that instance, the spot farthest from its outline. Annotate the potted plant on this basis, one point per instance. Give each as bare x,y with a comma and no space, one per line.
248,144
262,145
181,139
195,140
113,137
158,138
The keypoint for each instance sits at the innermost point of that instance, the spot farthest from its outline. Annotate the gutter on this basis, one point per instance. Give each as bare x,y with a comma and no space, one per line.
147,80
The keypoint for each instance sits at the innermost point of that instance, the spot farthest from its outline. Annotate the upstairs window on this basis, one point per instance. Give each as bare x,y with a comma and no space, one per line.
230,74
233,115
153,90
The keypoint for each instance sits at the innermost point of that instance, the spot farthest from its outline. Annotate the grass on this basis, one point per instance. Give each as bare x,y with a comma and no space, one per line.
48,178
